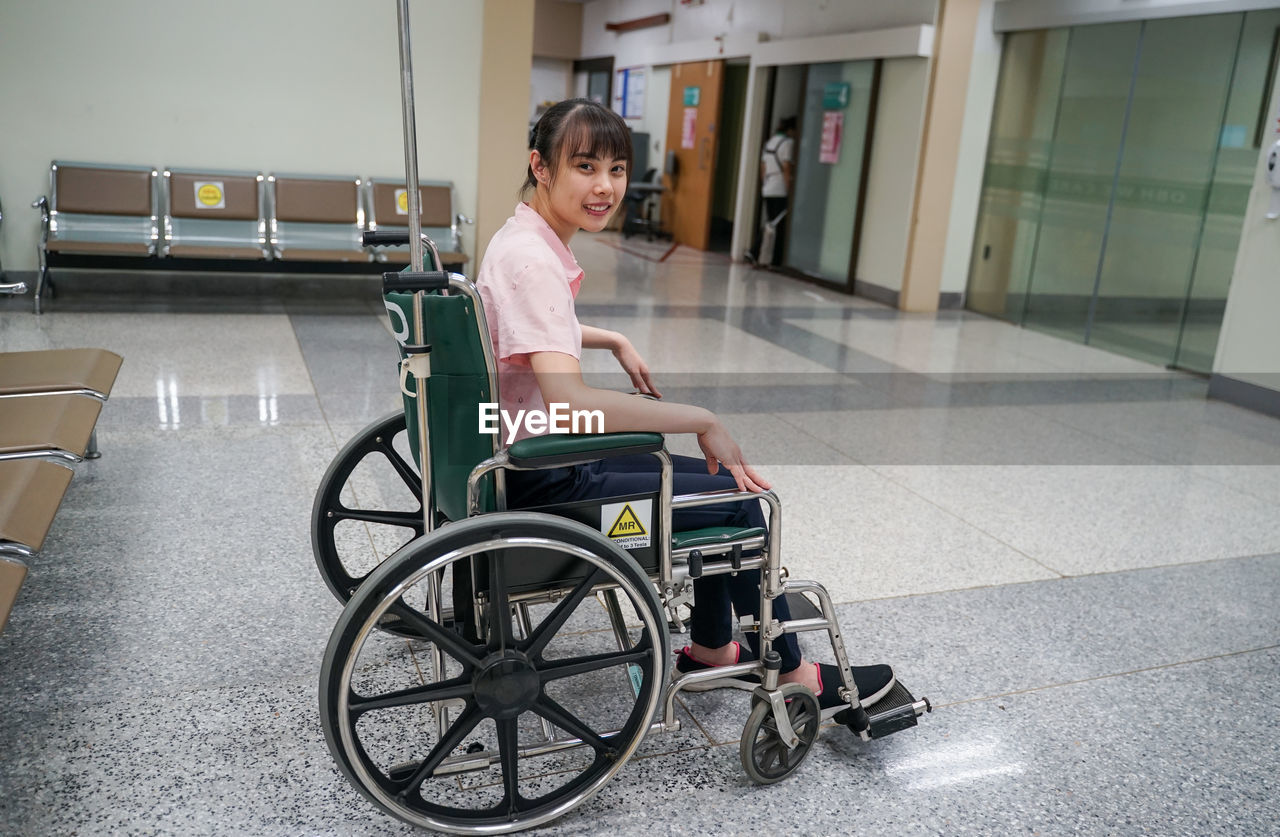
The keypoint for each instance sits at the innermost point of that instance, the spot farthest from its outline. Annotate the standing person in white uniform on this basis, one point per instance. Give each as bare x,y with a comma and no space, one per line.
776,171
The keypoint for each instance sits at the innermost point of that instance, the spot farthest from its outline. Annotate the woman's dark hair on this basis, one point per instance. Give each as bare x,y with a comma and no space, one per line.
577,126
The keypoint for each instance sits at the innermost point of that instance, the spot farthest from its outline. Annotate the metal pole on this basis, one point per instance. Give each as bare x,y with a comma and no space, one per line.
415,254
410,140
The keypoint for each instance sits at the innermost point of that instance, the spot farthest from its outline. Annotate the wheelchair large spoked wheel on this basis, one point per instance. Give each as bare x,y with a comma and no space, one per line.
520,727
368,505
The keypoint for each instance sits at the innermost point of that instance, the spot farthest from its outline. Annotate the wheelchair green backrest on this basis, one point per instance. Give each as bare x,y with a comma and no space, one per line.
459,383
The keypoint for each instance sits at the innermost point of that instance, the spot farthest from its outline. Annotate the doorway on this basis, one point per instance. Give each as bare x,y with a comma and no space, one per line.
834,105
733,107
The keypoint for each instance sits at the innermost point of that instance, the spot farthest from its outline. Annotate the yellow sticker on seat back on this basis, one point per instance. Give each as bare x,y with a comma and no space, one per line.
627,524
210,194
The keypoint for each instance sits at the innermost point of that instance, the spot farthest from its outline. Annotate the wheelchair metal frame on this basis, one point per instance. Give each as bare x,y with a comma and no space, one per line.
787,716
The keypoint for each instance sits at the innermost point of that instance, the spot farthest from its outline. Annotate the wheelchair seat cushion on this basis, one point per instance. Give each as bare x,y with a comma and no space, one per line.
714,536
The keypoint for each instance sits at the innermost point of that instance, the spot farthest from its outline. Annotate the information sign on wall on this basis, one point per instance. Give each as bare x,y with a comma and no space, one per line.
832,134
692,95
835,95
689,128
630,96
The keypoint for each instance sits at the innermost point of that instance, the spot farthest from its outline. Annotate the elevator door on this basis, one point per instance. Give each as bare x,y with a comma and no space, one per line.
1117,176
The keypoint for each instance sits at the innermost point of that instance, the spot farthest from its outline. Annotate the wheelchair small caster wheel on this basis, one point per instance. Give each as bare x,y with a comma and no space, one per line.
765,755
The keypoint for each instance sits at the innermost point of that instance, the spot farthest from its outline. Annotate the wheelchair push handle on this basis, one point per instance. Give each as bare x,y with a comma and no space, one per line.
384,238
410,281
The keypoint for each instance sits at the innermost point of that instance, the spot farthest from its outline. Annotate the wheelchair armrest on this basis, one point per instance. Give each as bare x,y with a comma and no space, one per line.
557,449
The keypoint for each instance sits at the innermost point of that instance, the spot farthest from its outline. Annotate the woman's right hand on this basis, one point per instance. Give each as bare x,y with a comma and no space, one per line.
720,449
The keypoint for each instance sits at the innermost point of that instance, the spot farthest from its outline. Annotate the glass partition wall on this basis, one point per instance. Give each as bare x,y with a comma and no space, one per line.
830,169
1117,175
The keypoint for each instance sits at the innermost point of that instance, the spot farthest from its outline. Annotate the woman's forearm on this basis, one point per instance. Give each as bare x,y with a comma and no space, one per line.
600,338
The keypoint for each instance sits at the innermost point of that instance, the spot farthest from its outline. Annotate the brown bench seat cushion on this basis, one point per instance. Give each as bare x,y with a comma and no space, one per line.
98,248
12,572
58,369
47,422
201,251
30,492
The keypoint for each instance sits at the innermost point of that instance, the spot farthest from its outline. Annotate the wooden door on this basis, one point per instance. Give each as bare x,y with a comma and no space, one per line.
693,134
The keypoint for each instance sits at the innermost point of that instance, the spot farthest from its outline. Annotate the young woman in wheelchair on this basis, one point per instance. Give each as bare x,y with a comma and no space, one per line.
579,162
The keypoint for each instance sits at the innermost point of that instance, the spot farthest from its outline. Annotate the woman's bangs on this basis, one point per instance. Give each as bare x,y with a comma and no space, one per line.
598,133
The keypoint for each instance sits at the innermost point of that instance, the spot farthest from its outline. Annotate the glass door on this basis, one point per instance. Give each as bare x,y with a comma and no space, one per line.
1171,147
826,201
1244,128
1120,163
1081,174
1017,171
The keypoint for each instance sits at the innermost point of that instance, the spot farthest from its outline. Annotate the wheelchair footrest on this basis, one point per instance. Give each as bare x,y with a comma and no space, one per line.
894,712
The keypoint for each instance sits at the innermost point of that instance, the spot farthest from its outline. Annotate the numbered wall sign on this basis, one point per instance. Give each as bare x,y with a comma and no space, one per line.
210,194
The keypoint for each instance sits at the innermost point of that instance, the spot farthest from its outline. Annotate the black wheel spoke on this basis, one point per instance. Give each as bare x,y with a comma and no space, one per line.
458,687
466,722
433,631
403,468
509,757
403,519
546,630
566,720
573,666
501,634
769,755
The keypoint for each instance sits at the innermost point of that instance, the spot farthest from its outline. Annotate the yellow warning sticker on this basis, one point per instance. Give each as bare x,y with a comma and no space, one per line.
402,201
210,195
627,524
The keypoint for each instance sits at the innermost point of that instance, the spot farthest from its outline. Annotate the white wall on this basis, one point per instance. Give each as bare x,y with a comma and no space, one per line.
1249,343
1012,15
777,19
551,80
304,86
891,180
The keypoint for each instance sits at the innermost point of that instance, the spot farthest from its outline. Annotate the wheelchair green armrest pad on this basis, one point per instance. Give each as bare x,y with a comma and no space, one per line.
713,536
566,449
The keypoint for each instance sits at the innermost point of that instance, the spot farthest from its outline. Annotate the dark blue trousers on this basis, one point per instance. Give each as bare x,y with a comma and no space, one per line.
712,621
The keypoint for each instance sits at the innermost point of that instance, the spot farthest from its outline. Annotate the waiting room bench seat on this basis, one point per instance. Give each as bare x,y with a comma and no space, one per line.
97,209
55,425
31,491
316,218
388,209
90,371
101,209
211,214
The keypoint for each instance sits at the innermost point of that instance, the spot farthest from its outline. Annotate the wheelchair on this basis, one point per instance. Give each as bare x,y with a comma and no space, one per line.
499,666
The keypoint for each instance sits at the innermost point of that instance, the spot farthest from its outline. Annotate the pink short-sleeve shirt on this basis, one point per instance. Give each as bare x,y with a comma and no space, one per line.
528,281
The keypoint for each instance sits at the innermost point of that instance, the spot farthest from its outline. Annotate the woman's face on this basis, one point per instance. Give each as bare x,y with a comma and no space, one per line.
584,193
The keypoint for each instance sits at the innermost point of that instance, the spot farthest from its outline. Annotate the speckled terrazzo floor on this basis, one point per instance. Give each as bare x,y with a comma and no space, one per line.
1073,554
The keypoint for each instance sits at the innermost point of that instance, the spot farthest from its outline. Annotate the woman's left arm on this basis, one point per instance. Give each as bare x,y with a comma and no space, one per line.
628,357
